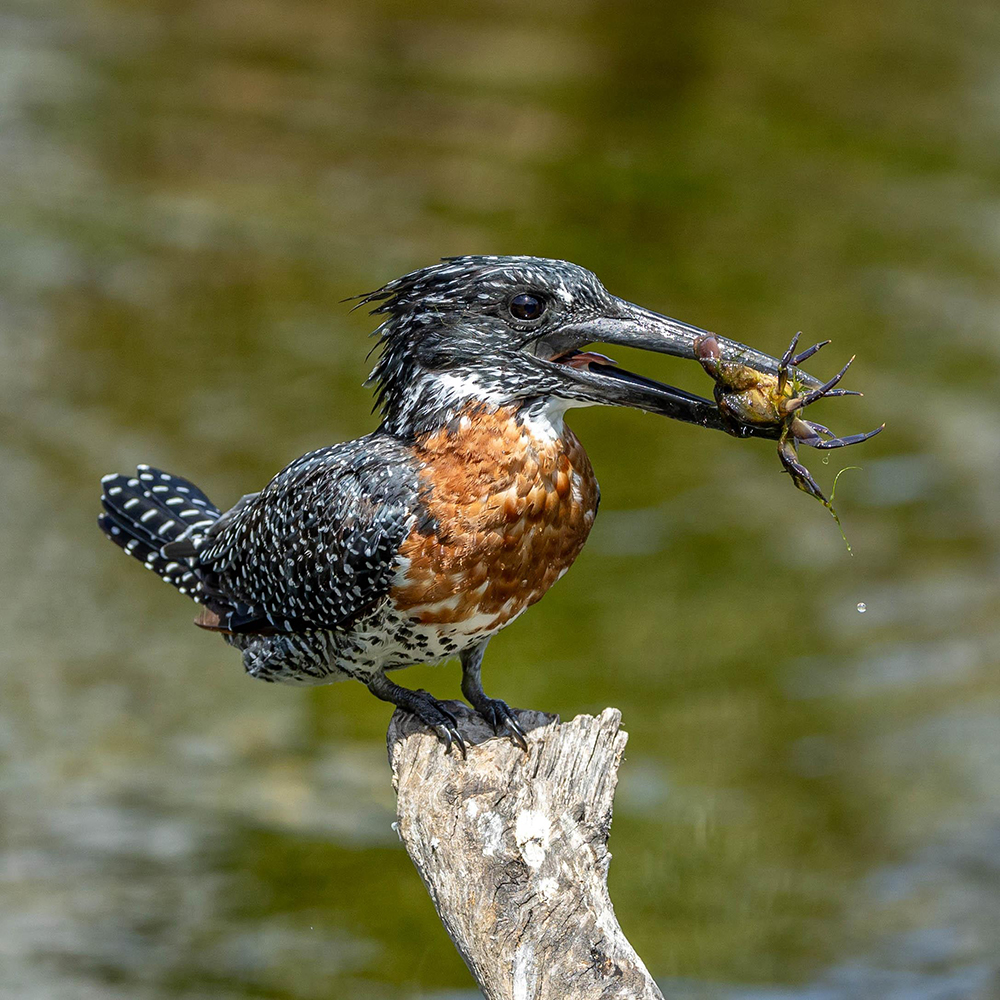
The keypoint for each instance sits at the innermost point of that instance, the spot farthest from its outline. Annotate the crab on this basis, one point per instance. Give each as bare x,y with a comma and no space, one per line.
751,399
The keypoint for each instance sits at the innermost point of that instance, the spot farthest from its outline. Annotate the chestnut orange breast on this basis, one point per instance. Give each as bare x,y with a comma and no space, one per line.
510,505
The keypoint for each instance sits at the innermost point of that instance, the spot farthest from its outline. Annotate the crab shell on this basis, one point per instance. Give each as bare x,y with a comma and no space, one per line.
743,394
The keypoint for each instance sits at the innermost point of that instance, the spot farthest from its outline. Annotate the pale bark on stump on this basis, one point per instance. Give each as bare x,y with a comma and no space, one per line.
513,849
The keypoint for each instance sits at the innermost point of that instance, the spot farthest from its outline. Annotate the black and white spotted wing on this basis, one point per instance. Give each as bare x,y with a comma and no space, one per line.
318,546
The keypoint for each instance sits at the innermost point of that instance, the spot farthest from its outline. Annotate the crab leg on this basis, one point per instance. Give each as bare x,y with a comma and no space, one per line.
800,475
805,355
791,360
844,442
823,390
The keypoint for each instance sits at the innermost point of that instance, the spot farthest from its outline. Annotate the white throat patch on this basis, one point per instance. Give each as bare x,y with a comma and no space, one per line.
544,420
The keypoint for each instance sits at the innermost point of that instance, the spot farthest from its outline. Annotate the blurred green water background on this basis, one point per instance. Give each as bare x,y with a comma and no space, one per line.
810,805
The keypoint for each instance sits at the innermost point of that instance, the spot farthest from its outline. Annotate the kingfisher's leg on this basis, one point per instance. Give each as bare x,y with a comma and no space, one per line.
496,712
423,705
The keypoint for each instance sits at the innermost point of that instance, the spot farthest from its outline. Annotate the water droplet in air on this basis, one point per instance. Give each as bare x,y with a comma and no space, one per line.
862,608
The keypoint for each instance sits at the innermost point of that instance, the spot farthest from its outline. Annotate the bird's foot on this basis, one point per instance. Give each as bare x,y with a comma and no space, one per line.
434,715
424,706
501,717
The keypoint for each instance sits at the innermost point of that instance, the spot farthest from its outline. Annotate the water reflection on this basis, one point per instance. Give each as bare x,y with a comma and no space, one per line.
809,804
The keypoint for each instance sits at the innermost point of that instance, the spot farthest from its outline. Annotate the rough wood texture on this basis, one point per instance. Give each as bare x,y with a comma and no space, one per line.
513,849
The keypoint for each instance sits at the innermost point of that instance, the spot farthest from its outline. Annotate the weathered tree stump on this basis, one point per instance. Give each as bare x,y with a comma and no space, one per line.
513,849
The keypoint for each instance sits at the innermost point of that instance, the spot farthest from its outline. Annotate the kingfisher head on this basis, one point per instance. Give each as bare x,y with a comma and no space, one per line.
501,331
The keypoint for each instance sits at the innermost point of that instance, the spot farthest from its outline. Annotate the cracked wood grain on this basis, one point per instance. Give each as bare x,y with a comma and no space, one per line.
513,850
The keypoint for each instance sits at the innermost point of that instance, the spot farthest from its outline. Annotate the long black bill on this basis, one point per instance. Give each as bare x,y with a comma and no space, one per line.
633,326
624,388
630,325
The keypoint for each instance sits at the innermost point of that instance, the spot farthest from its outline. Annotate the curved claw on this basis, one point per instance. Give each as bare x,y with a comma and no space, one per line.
449,734
517,734
435,716
501,717
512,726
445,725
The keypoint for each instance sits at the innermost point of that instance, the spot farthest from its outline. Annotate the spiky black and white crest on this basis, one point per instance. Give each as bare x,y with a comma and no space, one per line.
454,314
474,279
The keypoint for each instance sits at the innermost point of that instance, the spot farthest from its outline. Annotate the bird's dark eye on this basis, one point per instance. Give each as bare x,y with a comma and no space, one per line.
526,306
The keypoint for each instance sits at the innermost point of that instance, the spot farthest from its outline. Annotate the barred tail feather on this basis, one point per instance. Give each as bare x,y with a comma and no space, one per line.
147,511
